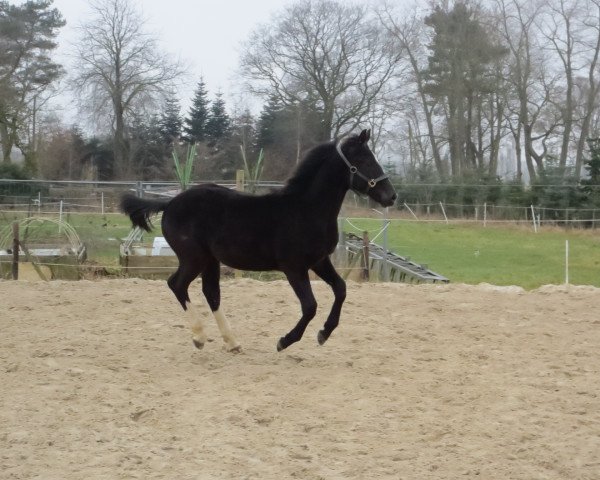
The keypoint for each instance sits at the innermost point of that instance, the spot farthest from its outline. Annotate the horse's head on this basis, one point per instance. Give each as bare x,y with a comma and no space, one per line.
366,175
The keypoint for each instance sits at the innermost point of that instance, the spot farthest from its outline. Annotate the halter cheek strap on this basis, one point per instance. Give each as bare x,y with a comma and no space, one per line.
371,182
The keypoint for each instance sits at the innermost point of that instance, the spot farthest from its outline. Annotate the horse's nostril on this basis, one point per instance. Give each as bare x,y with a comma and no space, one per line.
394,197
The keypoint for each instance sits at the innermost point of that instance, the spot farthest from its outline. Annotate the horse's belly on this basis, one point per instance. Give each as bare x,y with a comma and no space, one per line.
254,264
243,257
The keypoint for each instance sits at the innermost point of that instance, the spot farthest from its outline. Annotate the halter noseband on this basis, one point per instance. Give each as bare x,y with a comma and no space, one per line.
371,182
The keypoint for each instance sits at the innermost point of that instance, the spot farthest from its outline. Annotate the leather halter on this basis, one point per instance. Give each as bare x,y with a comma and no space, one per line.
371,182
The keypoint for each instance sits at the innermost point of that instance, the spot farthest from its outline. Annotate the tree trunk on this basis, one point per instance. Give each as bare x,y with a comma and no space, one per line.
437,158
495,134
531,155
589,107
518,153
6,141
567,118
120,150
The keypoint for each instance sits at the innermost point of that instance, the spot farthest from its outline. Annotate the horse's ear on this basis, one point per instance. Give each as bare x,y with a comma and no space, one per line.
364,136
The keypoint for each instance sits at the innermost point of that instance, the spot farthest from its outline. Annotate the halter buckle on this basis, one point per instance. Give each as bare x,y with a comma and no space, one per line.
372,183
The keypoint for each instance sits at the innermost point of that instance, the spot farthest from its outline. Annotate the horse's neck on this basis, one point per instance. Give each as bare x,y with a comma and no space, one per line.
327,192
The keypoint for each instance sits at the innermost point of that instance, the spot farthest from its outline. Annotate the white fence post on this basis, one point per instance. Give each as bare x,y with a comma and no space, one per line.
386,271
444,212
413,213
485,214
566,262
60,215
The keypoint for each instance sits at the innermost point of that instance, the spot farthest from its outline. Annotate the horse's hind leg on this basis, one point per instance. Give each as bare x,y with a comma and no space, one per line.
179,283
301,285
326,271
212,291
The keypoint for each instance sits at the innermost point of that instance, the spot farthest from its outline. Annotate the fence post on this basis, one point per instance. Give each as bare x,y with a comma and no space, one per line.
139,189
365,273
566,262
60,215
485,214
239,180
102,202
444,212
409,209
533,218
15,257
386,271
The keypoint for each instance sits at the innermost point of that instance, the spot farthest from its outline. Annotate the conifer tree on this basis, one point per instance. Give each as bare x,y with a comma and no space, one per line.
267,122
28,33
218,123
195,123
170,121
590,186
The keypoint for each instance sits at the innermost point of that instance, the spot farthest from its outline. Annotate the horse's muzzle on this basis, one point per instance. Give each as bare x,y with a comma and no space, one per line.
385,196
389,201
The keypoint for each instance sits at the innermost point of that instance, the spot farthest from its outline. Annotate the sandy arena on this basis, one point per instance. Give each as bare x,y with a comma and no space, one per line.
100,380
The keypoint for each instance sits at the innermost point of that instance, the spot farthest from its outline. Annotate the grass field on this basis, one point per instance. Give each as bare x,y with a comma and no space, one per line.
501,255
464,253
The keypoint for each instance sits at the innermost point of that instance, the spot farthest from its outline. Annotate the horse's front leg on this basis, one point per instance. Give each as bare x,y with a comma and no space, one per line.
212,292
326,271
301,285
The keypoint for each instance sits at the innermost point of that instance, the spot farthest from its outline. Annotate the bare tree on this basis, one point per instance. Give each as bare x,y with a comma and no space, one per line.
407,29
559,29
325,53
119,68
531,115
589,85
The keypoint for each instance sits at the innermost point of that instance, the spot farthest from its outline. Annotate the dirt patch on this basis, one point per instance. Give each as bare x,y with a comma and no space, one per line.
100,380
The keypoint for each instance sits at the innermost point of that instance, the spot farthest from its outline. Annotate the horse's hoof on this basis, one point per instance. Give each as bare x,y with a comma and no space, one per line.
236,349
322,337
197,344
280,346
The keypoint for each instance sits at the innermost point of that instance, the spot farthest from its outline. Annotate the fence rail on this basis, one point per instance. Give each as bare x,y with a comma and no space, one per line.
53,196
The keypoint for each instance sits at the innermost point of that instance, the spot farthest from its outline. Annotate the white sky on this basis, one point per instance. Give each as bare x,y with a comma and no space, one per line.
205,34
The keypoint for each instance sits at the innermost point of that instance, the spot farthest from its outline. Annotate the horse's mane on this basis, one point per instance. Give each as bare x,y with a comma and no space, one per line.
308,168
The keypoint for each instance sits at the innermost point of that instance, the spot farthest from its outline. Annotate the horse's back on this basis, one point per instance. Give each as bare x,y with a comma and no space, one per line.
240,230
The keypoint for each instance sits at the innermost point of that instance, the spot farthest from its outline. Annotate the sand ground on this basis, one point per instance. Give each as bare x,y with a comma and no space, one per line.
99,380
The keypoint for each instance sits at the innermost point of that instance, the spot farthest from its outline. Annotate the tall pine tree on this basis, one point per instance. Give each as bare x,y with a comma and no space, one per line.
195,123
269,118
218,123
590,186
170,121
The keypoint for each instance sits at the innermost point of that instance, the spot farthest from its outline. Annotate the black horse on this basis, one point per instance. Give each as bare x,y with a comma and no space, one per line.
293,230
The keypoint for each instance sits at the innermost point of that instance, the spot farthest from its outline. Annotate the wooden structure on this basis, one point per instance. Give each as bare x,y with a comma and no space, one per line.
52,247
374,260
144,259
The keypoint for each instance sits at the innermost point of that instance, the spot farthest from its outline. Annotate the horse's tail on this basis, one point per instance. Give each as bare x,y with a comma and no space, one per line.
139,209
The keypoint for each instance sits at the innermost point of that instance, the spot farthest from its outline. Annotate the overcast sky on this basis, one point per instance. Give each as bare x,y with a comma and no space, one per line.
205,34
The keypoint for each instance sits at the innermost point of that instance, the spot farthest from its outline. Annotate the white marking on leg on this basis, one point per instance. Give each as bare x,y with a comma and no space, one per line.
226,333
196,323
